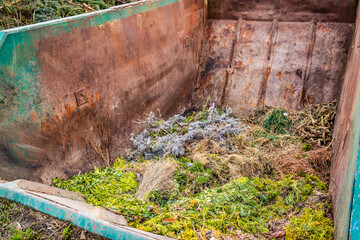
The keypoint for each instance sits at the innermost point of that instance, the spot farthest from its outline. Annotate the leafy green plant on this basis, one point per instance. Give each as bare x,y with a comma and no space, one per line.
277,122
67,232
306,147
27,235
191,177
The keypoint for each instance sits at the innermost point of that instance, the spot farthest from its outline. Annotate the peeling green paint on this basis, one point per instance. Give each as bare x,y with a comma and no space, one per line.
353,176
355,209
348,213
20,87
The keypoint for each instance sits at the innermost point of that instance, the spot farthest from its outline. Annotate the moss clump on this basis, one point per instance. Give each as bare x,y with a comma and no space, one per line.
111,187
312,224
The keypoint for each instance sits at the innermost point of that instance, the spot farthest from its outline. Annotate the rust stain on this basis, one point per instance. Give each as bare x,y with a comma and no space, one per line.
284,94
251,60
247,88
323,28
69,110
223,61
292,90
97,96
34,116
248,33
263,87
267,73
279,75
239,64
283,10
192,16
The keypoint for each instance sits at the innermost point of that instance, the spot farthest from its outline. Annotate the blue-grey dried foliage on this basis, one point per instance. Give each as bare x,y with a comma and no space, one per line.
172,136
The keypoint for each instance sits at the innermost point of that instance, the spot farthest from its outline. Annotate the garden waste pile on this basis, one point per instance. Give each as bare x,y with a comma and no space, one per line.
209,175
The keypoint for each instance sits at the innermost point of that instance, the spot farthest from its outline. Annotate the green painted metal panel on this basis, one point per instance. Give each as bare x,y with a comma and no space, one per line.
77,218
352,180
355,209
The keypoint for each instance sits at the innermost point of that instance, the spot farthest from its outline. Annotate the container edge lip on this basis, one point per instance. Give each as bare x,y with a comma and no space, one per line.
10,191
2,37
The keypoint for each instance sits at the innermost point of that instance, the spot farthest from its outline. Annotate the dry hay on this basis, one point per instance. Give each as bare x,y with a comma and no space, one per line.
159,176
293,160
224,164
253,156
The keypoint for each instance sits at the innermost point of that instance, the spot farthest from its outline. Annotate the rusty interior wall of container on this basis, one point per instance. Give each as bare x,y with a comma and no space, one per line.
250,59
346,145
121,63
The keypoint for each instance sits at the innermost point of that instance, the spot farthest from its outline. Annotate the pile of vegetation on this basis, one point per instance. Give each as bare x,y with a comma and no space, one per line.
209,175
18,222
314,124
16,13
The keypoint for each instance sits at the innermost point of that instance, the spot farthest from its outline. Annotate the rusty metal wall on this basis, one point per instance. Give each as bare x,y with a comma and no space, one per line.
120,63
247,64
346,144
284,10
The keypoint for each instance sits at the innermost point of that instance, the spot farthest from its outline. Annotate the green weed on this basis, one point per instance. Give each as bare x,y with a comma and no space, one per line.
277,122
67,232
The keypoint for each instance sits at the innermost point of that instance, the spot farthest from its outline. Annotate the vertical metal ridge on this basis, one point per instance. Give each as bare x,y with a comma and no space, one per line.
268,63
308,62
239,28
